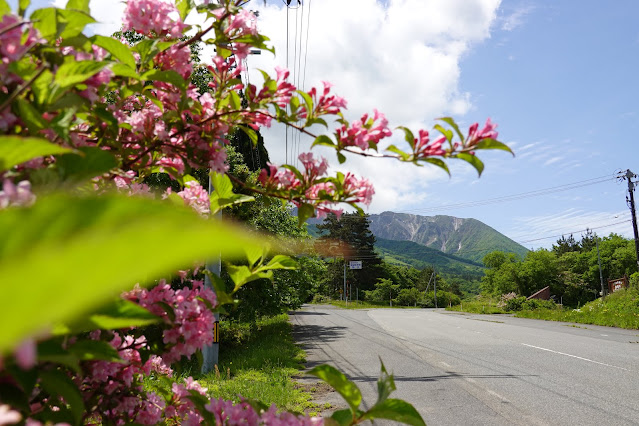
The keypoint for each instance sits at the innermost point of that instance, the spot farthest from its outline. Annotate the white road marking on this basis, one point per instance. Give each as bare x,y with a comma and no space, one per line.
497,395
575,356
444,364
605,335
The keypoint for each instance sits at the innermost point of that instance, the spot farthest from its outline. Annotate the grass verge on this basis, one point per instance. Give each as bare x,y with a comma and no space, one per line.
257,361
620,309
367,305
479,306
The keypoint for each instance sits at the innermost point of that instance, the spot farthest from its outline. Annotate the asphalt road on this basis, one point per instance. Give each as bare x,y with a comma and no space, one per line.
466,369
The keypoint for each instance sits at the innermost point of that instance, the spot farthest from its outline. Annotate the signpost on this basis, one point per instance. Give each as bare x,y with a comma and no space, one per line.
355,264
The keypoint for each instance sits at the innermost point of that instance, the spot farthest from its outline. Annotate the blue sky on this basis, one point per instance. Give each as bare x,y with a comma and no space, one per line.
558,77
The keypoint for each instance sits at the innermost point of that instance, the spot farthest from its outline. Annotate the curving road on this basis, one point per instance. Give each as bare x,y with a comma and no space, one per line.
465,369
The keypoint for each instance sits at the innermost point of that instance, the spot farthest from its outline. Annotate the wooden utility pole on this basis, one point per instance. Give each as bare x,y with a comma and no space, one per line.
631,204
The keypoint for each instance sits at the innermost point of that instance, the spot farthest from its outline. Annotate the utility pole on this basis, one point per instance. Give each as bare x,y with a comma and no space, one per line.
435,287
631,203
211,354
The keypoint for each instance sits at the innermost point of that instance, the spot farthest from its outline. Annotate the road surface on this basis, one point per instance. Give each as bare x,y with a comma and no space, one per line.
466,369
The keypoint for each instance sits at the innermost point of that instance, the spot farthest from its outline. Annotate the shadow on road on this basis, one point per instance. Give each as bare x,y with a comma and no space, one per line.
450,375
306,313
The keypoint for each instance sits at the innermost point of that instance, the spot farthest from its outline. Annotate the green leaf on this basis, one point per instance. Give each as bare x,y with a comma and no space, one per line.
88,163
170,76
241,274
116,48
57,383
341,158
254,254
221,184
402,155
437,162
385,384
282,262
305,211
343,417
45,21
16,150
409,137
117,315
82,5
74,72
22,6
95,350
323,140
31,116
396,410
349,390
489,143
472,160
184,7
451,123
122,70
81,252
5,9
446,132
51,350
71,23
252,134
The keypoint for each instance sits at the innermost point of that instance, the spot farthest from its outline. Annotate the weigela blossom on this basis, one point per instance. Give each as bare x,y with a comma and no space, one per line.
475,136
326,103
364,133
196,196
19,195
425,148
152,17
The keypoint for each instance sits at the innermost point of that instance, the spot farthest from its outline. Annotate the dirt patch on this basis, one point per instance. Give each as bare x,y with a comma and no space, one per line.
327,400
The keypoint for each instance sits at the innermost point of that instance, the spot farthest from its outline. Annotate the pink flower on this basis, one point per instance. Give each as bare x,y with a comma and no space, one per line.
26,354
424,148
9,416
364,133
151,17
488,132
19,195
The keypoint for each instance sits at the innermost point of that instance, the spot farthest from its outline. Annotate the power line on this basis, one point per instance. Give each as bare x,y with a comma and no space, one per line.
574,232
513,197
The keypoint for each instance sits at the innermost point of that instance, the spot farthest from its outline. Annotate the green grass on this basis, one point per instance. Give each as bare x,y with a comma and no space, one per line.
257,361
479,306
620,309
366,305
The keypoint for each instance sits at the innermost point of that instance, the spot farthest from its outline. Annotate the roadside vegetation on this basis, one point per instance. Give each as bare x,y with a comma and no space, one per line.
258,361
620,309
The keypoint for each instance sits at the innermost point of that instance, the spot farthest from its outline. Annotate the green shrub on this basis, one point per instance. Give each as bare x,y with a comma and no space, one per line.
320,298
515,304
533,304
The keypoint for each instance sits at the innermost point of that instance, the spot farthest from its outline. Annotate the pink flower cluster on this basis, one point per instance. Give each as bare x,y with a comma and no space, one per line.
16,40
192,326
153,17
19,195
326,103
475,136
196,196
228,413
425,148
241,25
364,133
358,190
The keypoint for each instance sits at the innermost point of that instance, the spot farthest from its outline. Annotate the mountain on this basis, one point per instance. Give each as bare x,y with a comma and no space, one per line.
465,238
420,257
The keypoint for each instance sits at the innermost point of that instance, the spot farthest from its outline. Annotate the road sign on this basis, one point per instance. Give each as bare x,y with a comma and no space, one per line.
355,264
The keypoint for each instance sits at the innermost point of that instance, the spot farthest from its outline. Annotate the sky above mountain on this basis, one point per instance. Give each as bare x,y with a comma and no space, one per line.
558,77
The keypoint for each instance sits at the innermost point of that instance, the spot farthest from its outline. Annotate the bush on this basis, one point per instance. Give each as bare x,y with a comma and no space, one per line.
515,304
533,304
444,299
320,298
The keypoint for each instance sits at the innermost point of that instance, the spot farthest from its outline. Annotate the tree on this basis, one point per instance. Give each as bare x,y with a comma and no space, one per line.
351,235
565,245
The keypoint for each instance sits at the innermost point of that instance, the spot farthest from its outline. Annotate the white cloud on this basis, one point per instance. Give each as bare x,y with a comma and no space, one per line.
515,18
399,56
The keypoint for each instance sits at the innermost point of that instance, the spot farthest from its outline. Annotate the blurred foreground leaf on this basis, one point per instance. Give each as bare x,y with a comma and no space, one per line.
65,256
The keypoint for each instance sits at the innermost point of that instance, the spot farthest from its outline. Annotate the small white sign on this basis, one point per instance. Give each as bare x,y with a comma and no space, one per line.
356,264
